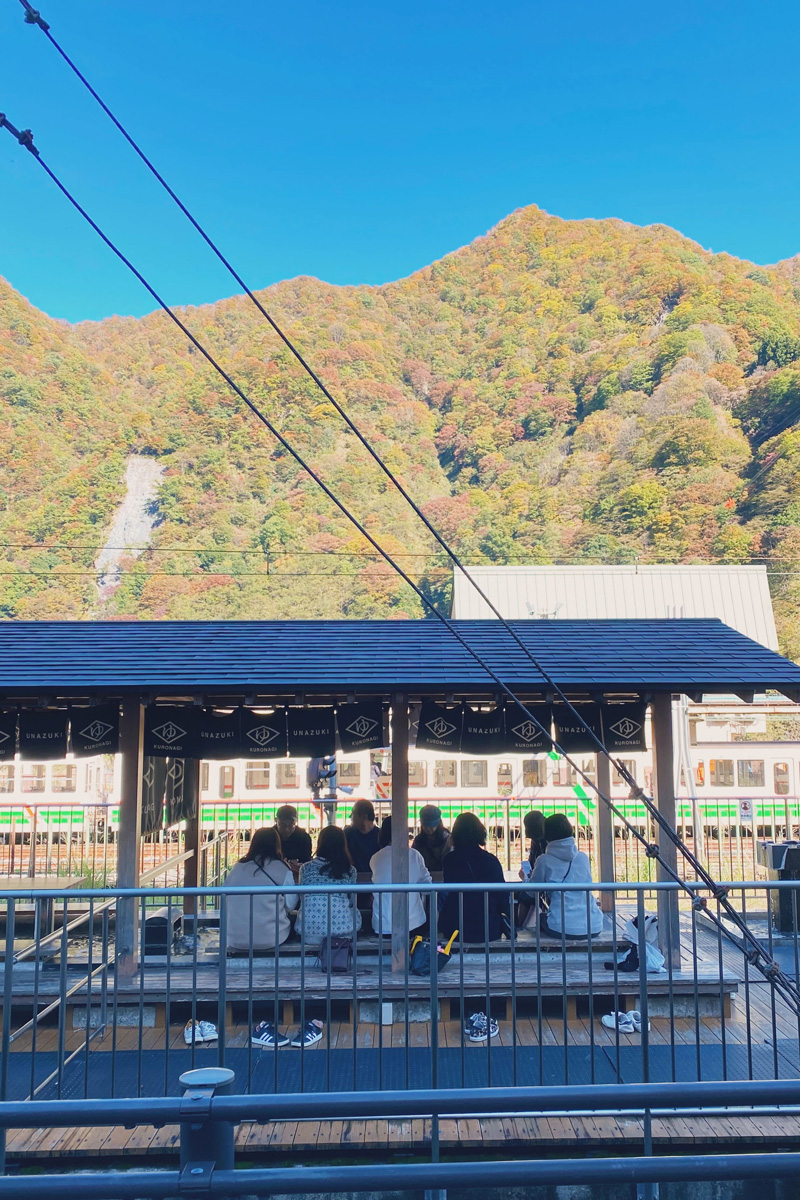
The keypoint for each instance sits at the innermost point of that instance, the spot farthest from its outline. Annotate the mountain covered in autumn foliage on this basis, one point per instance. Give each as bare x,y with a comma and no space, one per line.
557,391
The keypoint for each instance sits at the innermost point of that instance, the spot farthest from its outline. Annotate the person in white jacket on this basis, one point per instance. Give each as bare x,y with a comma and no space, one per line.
381,866
256,921
563,862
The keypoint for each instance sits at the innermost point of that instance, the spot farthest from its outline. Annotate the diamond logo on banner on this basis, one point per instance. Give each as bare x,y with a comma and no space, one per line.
626,728
96,731
262,735
170,732
439,727
527,731
361,726
4,737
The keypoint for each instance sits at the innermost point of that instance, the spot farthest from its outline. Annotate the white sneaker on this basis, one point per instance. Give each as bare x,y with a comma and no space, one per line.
200,1031
619,1020
636,1017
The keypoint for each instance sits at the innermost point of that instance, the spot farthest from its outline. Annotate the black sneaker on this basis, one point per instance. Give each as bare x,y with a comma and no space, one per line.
268,1036
308,1035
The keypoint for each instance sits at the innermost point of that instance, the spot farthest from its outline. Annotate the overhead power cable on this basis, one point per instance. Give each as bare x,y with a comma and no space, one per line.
749,944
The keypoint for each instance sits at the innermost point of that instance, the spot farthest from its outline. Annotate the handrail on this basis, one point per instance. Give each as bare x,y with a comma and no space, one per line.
369,888
441,1102
160,868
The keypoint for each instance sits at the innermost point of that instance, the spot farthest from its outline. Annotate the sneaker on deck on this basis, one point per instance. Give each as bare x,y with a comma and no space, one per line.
309,1035
199,1031
267,1035
479,1028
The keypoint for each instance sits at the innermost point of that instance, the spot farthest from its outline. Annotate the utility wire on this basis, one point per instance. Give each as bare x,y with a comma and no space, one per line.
749,944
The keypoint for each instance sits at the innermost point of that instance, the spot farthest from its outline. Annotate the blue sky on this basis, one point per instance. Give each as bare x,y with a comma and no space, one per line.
358,142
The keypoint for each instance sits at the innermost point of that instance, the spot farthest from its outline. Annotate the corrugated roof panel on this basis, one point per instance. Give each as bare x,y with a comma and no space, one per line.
738,596
63,658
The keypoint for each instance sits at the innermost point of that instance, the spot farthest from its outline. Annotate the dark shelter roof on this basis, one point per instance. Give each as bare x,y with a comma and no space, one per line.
63,658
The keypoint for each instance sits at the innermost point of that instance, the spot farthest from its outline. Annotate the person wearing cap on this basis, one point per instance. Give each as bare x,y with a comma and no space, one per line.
295,842
433,840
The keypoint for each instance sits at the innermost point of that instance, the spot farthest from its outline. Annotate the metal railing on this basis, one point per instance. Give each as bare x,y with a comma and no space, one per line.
207,1149
75,1023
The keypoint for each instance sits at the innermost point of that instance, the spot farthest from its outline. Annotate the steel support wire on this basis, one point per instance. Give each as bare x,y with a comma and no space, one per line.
772,972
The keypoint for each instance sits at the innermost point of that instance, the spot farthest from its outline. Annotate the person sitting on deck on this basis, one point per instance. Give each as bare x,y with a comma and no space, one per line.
433,840
534,830
362,835
573,914
331,912
257,921
296,842
381,867
469,862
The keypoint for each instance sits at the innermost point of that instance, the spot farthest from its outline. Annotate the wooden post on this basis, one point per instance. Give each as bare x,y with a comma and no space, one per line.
664,779
605,832
191,841
399,829
130,834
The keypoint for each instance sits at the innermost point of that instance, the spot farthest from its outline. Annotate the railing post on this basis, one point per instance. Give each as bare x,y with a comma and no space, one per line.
206,1145
191,841
8,993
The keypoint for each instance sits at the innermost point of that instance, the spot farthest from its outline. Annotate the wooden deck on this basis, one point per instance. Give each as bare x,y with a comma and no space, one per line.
755,1018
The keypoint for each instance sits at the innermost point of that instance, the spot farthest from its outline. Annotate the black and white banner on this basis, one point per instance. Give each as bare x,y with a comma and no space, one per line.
571,733
154,777
94,730
263,734
8,735
218,734
524,736
360,726
483,732
180,794
311,732
170,731
43,733
439,727
623,726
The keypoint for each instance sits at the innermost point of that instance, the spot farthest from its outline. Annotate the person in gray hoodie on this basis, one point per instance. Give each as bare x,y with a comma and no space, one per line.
563,862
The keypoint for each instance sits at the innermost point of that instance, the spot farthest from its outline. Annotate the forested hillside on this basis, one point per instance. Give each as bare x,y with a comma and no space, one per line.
558,391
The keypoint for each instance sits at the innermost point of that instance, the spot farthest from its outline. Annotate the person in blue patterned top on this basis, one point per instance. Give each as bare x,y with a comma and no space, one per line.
331,912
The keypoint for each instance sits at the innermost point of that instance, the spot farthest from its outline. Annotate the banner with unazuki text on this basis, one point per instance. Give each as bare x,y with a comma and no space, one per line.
483,732
42,733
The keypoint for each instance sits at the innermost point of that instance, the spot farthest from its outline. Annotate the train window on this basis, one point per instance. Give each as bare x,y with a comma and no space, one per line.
444,772
474,772
204,777
417,774
65,777
7,777
32,777
629,765
349,774
781,774
256,775
225,783
721,770
286,775
566,775
750,772
504,779
700,774
534,772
